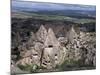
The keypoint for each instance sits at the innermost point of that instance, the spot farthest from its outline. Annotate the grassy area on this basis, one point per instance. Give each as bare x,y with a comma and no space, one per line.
74,65
65,66
30,68
51,17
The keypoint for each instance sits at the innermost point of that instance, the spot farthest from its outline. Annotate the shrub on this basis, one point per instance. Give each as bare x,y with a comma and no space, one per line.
27,67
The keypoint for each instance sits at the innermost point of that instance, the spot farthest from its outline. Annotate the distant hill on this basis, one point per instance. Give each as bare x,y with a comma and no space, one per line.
72,10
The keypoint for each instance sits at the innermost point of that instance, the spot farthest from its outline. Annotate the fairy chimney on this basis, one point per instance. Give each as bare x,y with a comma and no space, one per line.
51,40
51,51
72,35
41,34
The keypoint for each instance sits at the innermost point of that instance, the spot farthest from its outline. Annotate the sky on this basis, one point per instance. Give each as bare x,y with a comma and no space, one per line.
41,6
84,2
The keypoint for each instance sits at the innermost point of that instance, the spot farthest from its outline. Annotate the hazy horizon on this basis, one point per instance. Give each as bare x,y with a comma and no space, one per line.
51,6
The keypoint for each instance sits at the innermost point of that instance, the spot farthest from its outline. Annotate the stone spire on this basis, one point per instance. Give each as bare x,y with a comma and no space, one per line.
41,34
51,39
72,35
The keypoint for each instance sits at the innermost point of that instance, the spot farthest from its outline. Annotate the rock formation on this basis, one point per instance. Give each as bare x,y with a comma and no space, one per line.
44,49
51,40
52,53
71,35
41,34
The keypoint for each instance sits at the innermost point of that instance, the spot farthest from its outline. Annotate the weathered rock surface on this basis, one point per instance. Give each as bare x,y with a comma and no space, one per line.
30,57
41,34
51,39
82,49
63,41
71,35
52,53
46,50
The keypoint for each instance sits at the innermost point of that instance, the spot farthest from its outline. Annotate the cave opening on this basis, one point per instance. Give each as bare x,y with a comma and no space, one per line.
50,46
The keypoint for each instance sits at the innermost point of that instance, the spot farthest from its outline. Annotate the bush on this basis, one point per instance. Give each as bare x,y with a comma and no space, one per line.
27,67
67,65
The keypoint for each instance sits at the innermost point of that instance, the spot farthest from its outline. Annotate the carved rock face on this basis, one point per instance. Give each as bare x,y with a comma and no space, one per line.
51,39
53,56
30,57
38,47
48,51
48,60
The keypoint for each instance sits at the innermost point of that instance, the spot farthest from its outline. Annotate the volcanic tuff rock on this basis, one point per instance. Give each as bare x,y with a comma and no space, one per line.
51,39
41,34
71,35
89,43
44,49
63,41
30,57
82,49
52,51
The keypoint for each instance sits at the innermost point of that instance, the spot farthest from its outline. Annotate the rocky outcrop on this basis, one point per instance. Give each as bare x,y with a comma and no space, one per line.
71,35
82,49
41,34
51,40
52,53
15,69
63,41
89,43
45,50
30,57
